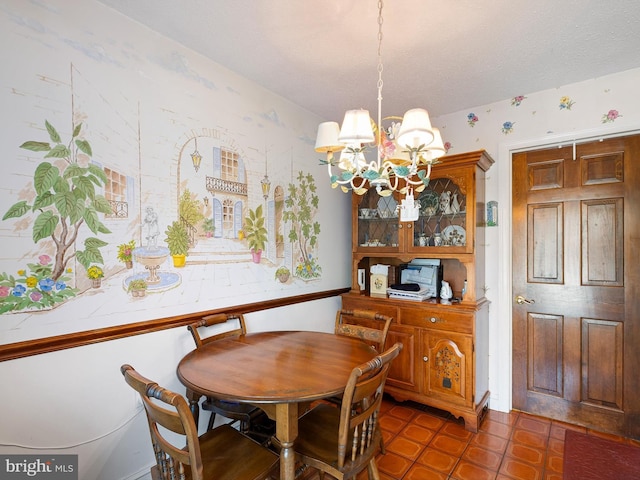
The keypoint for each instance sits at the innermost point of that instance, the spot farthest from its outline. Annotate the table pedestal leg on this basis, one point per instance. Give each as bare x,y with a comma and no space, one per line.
194,398
286,432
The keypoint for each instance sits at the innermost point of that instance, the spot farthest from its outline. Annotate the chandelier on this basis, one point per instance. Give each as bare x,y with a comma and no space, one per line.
401,149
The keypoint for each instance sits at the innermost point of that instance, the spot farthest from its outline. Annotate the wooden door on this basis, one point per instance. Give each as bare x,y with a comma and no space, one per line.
576,231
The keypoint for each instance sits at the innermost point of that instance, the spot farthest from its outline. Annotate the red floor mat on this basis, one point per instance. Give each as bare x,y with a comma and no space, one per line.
587,457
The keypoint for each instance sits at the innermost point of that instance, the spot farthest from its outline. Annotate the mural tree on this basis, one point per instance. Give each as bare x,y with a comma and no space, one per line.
301,206
66,200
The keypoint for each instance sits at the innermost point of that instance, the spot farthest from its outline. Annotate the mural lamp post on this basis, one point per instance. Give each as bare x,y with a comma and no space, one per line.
196,158
265,183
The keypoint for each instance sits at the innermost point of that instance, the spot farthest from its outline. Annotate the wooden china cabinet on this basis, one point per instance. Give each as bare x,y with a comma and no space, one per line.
444,362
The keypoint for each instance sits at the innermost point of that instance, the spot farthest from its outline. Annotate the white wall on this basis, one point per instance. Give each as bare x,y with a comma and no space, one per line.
539,119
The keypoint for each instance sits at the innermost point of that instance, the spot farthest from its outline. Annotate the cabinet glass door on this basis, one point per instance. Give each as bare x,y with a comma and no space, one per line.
443,216
377,221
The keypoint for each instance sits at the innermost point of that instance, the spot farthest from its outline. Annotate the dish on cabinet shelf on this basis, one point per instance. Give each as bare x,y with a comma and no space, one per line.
429,202
367,213
374,243
454,235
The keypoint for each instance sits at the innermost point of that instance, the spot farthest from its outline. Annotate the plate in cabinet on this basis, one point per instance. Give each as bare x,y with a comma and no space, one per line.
455,235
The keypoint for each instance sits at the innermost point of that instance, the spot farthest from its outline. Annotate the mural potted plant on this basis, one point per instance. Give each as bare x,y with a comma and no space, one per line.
125,253
138,287
95,274
208,228
178,243
283,274
255,232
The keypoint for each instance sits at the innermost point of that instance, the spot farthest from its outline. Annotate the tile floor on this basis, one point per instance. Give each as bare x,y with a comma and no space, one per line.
428,444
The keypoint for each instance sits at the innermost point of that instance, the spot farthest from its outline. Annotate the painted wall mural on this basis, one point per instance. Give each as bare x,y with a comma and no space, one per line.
65,202
67,197
146,181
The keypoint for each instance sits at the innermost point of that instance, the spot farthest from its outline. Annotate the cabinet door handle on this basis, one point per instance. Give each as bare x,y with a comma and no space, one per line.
399,226
409,225
425,359
435,320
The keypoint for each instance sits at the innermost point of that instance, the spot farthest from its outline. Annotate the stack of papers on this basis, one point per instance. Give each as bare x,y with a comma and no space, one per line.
419,296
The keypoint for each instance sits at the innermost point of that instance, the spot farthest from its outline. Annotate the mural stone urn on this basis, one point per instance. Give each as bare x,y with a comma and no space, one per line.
283,274
137,287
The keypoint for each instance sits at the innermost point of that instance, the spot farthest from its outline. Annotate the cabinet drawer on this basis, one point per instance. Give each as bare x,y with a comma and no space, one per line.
439,319
360,302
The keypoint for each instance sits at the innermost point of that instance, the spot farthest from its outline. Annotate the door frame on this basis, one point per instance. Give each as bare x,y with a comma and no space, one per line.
500,317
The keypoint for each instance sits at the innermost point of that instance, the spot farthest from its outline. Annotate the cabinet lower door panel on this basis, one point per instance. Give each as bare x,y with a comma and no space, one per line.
402,371
448,360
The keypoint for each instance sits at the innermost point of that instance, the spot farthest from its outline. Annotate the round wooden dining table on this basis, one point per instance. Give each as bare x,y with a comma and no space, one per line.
277,371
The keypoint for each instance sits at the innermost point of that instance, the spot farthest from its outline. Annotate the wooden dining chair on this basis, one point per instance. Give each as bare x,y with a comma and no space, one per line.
343,441
253,421
223,453
368,325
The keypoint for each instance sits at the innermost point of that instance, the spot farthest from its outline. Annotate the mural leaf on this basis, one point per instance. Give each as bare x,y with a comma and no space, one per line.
76,210
17,210
53,133
36,146
74,170
91,218
86,186
45,177
65,203
98,172
44,226
84,146
94,242
42,201
102,205
59,151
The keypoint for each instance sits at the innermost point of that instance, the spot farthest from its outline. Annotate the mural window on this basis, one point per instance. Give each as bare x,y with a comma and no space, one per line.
115,191
227,215
229,165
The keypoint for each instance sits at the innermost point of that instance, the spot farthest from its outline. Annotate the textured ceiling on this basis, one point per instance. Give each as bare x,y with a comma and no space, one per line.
445,56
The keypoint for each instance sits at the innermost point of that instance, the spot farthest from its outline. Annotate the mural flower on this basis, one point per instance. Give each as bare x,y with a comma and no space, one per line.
34,288
472,118
507,127
516,101
610,116
566,103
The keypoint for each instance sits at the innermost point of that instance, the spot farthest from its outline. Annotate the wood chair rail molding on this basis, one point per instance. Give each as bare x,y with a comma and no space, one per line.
27,348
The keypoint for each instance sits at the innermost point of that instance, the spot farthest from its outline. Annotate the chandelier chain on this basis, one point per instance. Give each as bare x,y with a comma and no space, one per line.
380,68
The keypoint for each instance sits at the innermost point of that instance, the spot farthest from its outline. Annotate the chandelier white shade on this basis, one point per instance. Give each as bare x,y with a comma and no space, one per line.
401,149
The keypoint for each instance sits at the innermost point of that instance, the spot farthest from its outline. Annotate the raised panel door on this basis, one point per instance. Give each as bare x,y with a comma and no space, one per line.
576,325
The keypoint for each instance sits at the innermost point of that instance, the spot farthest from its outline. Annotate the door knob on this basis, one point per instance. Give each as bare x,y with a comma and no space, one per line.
520,300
